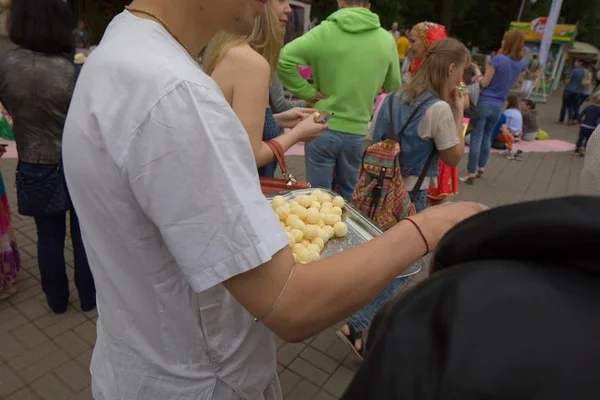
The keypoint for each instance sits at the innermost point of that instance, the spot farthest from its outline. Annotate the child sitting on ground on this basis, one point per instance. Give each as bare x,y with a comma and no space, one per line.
514,118
531,125
589,119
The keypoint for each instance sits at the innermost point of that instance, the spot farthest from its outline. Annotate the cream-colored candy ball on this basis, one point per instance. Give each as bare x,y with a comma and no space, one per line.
298,235
297,224
336,210
340,229
288,228
332,219
291,239
300,211
311,232
325,210
291,218
315,204
312,198
327,204
313,218
329,231
304,201
319,242
339,202
313,210
283,212
326,198
298,249
314,247
293,203
317,192
305,242
277,201
309,256
324,235
321,223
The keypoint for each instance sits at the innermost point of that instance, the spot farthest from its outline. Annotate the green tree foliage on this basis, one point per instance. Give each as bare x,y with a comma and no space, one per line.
479,22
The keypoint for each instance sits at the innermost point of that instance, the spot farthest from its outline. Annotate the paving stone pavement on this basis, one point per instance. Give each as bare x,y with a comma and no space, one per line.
45,356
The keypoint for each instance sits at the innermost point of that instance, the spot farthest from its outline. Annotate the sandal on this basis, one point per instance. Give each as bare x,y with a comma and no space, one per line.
351,340
479,173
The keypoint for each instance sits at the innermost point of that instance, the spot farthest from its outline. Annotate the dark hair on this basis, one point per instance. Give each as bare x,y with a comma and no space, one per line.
530,104
44,26
512,101
534,57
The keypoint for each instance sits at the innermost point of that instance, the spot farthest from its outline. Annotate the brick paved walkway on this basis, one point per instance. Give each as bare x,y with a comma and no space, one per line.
44,356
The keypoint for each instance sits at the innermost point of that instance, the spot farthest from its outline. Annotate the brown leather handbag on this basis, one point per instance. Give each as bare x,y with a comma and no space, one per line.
274,185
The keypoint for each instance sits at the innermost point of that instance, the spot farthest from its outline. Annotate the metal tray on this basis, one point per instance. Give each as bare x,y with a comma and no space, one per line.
360,229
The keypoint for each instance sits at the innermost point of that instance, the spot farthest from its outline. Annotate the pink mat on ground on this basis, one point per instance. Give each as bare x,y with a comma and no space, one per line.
11,150
540,146
537,146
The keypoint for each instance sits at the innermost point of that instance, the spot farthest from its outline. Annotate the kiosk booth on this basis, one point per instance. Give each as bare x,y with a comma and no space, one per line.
562,41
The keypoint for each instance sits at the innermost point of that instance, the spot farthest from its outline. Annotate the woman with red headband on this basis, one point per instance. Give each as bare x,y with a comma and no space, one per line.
422,37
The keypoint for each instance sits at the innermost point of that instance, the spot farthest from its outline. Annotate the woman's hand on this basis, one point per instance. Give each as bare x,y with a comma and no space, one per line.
308,129
457,102
291,118
476,69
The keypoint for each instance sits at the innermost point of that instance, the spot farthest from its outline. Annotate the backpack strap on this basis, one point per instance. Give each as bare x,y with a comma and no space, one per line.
424,172
390,132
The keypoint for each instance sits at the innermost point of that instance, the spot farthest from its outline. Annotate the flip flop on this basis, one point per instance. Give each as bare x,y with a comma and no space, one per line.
351,339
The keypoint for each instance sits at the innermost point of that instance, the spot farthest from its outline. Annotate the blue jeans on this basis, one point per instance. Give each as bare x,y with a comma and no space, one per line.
337,151
481,137
361,320
52,232
570,105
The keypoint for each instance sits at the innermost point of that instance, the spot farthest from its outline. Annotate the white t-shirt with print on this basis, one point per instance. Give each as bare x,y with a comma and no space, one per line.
437,124
164,181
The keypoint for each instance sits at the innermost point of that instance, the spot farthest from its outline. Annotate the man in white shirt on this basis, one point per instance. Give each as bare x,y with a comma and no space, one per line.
184,248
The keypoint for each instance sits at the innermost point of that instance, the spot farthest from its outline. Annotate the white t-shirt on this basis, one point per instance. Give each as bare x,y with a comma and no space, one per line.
437,124
164,181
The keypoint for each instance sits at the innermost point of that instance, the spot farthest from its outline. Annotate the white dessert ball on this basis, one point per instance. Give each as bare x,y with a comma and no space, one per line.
311,232
317,192
339,202
313,218
326,198
277,201
327,204
282,212
293,203
329,231
314,247
336,210
315,204
304,201
305,242
325,210
312,198
332,219
297,224
340,229
319,242
290,218
291,239
298,235
309,256
299,249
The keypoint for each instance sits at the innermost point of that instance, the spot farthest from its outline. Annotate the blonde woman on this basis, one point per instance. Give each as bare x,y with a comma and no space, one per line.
244,68
432,109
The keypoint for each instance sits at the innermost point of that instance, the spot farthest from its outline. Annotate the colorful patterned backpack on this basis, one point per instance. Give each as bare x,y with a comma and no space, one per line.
380,193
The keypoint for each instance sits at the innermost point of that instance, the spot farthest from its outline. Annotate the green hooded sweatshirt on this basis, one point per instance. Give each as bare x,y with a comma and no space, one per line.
352,58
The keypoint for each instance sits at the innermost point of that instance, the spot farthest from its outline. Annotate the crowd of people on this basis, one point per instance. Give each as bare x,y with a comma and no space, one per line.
153,154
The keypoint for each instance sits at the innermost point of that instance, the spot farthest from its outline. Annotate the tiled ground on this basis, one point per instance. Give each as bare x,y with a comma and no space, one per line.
44,356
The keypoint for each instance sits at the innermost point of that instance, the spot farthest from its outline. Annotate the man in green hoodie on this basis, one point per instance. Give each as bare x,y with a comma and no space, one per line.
352,58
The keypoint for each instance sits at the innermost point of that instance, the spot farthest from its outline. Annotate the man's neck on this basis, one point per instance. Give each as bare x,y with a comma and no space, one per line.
182,17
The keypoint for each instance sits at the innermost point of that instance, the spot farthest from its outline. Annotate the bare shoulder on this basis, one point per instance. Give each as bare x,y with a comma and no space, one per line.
244,58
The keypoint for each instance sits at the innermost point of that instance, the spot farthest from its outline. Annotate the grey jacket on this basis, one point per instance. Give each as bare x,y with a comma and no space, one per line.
278,101
36,90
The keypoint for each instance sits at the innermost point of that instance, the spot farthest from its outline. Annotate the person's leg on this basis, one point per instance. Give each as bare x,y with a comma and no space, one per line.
419,199
587,133
51,260
84,281
564,106
476,138
348,163
486,142
320,155
571,104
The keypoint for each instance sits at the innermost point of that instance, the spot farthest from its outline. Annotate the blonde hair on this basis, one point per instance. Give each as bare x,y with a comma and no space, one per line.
513,43
432,74
266,39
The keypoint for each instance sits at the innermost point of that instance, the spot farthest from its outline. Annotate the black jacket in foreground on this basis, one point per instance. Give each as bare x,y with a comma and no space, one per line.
513,312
